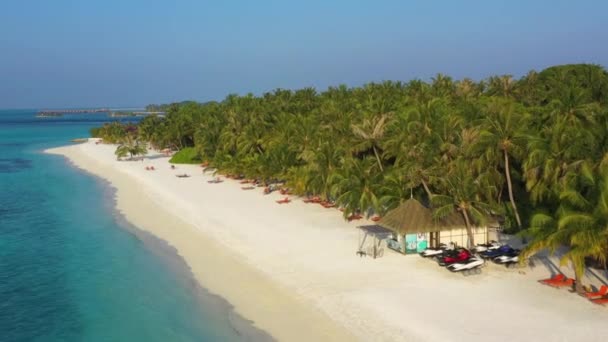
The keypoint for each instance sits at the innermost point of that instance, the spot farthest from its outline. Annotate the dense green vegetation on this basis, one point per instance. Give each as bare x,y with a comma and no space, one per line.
533,150
187,155
131,147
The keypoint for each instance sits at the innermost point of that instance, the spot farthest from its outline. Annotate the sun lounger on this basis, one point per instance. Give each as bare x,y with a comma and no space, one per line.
182,176
354,217
376,218
566,283
603,291
215,181
245,181
328,205
557,278
315,199
284,201
248,187
601,301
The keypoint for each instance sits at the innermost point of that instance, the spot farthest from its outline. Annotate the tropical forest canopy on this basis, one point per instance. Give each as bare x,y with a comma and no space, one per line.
532,150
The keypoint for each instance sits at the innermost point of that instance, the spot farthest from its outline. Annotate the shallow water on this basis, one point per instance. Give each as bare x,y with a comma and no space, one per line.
71,268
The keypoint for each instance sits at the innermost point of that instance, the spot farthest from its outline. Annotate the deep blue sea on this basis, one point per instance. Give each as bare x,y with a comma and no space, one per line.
71,269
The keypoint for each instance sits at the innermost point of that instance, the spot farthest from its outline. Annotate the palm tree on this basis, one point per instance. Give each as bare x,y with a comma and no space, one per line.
555,156
579,223
462,195
130,146
357,186
501,86
370,134
503,136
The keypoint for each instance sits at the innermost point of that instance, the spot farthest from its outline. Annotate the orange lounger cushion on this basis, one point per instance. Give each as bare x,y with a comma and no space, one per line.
557,278
599,293
601,301
566,283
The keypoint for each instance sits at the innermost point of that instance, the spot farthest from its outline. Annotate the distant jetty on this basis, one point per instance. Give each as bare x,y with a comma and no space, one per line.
114,113
61,112
124,114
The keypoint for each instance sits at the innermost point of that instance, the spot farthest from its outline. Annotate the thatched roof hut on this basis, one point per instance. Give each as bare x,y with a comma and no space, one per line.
411,217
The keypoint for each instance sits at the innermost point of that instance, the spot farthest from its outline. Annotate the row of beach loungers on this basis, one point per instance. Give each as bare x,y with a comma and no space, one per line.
250,184
561,281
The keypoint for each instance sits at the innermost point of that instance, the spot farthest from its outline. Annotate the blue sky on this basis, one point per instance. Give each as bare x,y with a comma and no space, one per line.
64,53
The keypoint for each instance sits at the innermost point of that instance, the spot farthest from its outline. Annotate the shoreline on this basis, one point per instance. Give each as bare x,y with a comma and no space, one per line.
259,304
299,267
170,256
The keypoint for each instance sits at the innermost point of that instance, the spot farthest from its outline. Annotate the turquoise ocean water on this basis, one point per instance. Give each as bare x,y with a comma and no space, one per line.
71,269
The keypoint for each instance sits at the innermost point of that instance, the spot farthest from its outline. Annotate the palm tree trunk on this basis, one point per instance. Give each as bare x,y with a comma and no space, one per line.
578,281
427,190
510,187
378,158
469,230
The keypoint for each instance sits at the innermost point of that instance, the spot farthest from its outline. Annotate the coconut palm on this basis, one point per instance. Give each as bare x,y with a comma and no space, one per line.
462,195
369,135
580,223
357,186
501,138
131,147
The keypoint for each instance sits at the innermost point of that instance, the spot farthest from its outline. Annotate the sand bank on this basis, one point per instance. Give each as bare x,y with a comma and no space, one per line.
292,268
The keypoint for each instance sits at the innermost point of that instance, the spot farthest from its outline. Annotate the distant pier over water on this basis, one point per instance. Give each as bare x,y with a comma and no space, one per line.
111,112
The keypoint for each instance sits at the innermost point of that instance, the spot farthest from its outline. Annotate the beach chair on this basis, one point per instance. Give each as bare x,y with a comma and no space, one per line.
601,292
566,283
248,187
284,201
556,278
376,218
600,301
354,217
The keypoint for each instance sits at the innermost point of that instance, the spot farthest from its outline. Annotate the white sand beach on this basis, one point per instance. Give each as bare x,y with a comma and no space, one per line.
292,268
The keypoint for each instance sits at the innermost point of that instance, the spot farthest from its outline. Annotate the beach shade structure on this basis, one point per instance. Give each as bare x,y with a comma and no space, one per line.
414,225
370,240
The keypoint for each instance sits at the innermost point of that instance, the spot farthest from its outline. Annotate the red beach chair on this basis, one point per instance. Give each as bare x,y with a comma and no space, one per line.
354,217
315,199
603,290
555,279
600,301
566,283
284,201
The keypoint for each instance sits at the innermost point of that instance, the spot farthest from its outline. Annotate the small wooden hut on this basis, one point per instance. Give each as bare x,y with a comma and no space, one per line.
415,228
